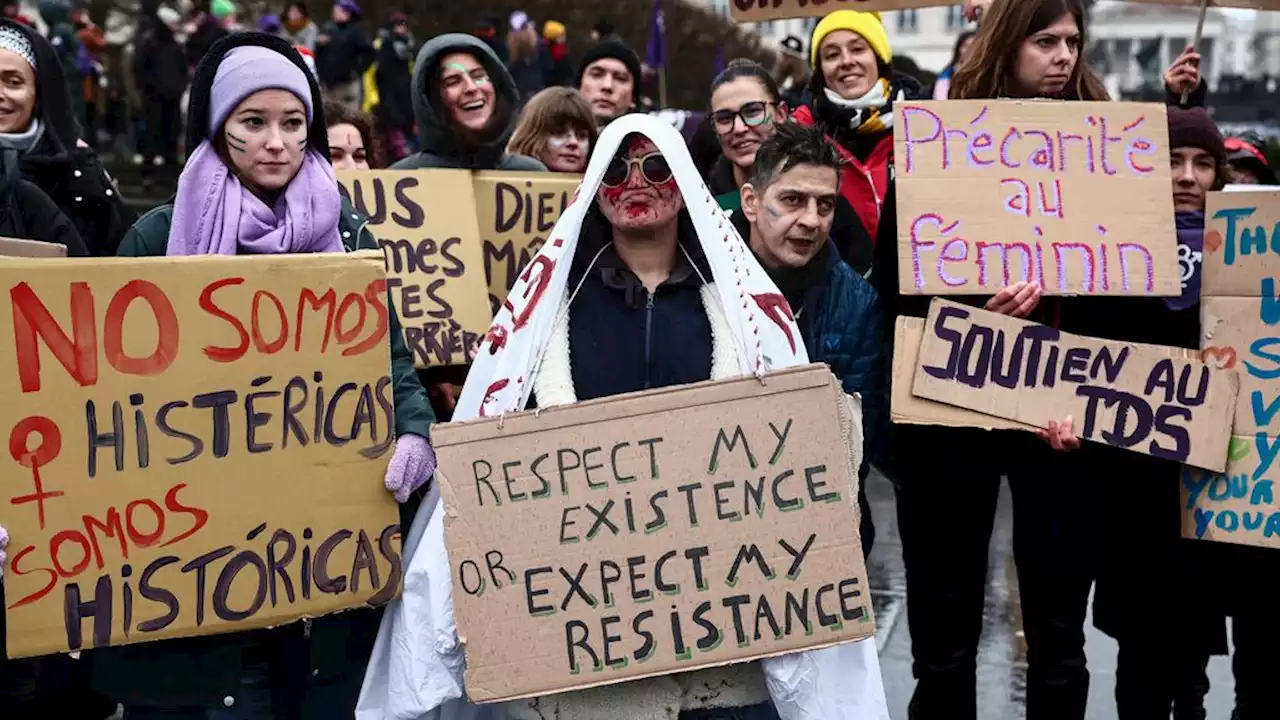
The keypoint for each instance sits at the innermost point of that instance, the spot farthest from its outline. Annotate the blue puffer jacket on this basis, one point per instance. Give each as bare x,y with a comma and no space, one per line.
844,333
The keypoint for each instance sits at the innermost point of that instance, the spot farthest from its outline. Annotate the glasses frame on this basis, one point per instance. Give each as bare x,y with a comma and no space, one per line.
736,115
629,162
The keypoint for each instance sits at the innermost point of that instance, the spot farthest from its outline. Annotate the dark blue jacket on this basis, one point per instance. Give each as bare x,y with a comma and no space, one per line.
625,339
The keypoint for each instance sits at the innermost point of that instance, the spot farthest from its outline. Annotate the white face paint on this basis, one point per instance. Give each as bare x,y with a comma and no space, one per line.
567,151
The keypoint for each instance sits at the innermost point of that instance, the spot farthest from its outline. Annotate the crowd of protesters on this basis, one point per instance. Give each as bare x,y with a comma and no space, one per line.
803,164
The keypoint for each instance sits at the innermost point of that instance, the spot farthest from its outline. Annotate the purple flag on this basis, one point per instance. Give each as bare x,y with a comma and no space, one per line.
655,54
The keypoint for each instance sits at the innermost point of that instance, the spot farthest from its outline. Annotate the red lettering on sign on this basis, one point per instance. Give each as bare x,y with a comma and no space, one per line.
375,295
29,457
166,350
213,352
328,301
31,319
16,570
264,347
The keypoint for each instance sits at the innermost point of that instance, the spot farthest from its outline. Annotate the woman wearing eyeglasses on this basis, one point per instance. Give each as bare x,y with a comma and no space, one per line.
746,108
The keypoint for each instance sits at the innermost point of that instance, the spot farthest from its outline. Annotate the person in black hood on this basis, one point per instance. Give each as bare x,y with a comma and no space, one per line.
258,181
207,32
393,74
37,121
465,103
343,53
160,71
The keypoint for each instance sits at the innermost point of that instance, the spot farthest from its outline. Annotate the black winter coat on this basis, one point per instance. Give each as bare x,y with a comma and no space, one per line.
347,54
160,65
394,78
71,175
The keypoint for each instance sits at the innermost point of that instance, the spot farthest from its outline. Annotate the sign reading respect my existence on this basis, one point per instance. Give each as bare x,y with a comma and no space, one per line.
425,222
654,533
194,445
517,211
1240,323
1071,195
1146,398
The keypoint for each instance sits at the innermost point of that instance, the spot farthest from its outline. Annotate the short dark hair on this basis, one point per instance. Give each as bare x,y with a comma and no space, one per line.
792,145
739,68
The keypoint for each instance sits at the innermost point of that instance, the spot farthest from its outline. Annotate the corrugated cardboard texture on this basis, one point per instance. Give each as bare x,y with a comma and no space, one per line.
517,211
425,222
757,10
655,516
911,410
1072,195
1239,316
13,247
1153,400
187,469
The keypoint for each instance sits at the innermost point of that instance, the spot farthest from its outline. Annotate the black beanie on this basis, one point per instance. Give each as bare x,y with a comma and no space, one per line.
616,51
1192,127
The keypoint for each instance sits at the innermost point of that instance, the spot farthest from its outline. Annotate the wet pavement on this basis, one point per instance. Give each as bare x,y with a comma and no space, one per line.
1002,654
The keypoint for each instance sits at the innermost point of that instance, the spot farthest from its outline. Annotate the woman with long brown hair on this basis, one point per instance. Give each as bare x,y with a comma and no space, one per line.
556,127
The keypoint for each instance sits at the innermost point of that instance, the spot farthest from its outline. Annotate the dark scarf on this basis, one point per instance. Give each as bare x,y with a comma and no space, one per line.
1190,259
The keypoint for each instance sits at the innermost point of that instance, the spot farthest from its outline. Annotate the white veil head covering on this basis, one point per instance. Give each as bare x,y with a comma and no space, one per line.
766,336
416,670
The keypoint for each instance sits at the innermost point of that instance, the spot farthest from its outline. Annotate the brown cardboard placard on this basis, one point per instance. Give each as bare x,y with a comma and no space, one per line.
1238,324
906,408
174,462
517,210
1072,195
717,503
16,247
757,10
425,222
1158,401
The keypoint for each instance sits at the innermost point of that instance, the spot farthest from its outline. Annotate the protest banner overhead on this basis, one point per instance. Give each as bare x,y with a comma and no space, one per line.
425,223
654,533
757,10
195,445
1154,400
1073,196
1239,312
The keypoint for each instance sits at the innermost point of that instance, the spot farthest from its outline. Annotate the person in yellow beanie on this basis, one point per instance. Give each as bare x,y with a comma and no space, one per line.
853,89
557,40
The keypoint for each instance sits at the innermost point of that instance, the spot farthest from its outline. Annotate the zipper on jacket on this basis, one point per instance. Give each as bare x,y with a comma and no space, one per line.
648,334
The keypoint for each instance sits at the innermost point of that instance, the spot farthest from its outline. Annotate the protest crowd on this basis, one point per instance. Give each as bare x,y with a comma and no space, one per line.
303,135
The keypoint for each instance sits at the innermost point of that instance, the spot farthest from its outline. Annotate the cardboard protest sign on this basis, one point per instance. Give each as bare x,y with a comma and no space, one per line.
1240,315
757,10
653,533
907,409
13,247
195,445
425,222
1071,195
517,210
1153,400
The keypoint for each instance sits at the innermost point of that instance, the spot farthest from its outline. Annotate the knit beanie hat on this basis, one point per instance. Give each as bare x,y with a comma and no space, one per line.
1192,127
611,49
866,24
552,30
222,8
247,69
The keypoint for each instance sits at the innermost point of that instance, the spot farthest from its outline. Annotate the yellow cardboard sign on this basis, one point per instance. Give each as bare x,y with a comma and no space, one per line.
425,222
517,211
1073,196
194,445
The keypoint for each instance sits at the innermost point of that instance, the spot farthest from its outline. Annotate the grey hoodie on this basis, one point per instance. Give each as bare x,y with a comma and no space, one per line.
440,146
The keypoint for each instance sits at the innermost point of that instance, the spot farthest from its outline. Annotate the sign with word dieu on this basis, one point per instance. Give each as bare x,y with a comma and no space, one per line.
517,211
1150,399
1071,195
654,533
757,10
194,446
1240,325
425,222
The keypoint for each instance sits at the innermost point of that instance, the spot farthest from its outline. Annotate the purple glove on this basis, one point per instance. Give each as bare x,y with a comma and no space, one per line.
4,543
412,465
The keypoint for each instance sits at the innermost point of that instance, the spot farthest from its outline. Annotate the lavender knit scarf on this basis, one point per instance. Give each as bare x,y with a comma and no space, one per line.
214,214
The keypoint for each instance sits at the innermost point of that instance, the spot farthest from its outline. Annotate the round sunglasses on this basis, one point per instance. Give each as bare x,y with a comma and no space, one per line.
653,166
